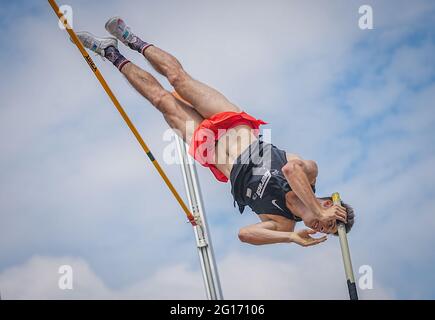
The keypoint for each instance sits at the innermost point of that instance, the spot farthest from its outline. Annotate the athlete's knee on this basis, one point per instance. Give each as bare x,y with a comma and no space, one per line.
163,100
176,76
167,105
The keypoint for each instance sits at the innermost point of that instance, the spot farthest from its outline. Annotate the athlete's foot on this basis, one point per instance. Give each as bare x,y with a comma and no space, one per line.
119,29
105,47
96,44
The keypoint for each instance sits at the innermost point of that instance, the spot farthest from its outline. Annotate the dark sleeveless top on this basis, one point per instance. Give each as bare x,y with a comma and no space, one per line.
257,180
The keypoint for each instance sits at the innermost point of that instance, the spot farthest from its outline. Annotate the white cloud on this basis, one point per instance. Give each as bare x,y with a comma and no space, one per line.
38,279
243,277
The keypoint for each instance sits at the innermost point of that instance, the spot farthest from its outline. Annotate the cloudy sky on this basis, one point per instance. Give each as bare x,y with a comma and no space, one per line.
76,189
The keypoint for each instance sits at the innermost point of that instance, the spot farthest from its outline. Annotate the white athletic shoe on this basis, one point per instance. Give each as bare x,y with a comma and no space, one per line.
95,44
117,28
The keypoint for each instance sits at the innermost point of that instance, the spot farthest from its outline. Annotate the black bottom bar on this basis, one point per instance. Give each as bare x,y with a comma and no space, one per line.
353,294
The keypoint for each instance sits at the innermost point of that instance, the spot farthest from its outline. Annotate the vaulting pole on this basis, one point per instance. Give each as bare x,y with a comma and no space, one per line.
203,241
118,106
345,252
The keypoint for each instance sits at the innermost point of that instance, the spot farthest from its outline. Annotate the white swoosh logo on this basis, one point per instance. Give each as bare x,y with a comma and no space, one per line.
276,205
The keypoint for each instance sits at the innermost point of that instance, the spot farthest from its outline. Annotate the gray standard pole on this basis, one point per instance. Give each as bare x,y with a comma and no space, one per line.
203,241
345,252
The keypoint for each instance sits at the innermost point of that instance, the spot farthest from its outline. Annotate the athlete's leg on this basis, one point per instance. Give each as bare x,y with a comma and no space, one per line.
176,113
206,100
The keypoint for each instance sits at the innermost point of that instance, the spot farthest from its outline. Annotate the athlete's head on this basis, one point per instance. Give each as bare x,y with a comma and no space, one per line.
326,202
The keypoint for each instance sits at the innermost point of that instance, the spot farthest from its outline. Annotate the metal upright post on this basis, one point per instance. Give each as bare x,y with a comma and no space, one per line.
203,241
353,294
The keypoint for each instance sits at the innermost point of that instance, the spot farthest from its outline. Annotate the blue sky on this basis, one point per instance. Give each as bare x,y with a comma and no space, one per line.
76,189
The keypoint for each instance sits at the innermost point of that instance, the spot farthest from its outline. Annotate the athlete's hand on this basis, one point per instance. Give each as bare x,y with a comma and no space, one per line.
304,239
334,213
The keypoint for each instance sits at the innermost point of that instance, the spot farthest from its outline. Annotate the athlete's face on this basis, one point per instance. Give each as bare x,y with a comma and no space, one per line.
331,227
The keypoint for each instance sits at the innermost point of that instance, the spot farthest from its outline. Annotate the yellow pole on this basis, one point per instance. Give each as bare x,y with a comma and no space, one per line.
118,106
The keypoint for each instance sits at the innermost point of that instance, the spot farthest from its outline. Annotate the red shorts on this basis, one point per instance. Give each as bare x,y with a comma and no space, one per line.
202,147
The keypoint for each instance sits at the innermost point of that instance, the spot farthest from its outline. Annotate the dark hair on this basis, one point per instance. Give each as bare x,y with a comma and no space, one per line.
350,215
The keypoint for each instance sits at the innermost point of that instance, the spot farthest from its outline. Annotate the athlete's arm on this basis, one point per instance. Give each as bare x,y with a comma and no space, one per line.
298,173
270,232
310,167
